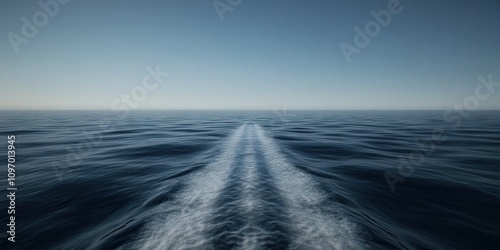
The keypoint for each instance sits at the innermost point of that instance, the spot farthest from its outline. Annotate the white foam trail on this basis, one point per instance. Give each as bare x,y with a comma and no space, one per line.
189,214
250,234
316,226
253,235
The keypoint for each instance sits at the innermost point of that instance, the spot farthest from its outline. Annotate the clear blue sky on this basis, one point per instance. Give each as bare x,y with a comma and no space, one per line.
265,54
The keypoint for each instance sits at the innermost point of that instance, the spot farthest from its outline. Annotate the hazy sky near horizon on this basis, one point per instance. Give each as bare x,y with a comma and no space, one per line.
263,55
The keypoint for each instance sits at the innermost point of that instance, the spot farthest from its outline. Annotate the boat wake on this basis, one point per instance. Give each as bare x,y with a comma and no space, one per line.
250,197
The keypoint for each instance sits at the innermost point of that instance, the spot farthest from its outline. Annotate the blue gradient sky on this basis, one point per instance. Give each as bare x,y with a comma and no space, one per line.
264,55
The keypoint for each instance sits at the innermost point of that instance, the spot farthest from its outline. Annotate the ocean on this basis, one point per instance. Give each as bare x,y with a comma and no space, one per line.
252,180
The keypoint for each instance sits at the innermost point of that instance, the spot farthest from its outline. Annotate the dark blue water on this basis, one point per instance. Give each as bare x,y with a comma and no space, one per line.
253,180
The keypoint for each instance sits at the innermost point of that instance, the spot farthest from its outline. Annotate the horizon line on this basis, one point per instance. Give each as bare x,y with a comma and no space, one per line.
273,109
